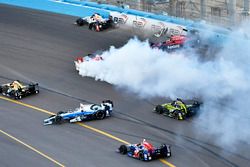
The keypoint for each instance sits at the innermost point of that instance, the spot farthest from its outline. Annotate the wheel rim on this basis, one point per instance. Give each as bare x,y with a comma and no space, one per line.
100,115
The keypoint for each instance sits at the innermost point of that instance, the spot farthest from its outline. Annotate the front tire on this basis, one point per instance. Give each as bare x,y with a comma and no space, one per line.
141,157
123,149
159,109
80,22
58,119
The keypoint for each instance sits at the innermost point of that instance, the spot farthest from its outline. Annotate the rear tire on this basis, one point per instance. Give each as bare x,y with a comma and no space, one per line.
60,112
164,151
100,115
108,101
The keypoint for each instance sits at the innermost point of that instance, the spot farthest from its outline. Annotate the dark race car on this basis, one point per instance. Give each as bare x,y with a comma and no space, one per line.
84,112
178,109
145,151
96,22
18,90
171,43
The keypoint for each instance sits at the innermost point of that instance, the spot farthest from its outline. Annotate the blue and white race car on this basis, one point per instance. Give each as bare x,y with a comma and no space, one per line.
84,112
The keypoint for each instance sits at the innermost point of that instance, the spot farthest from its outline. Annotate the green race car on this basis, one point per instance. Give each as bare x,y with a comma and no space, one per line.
178,109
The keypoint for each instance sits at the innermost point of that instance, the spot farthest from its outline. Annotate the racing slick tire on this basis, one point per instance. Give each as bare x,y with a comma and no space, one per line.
100,114
108,101
95,27
58,119
141,157
81,22
17,95
1,89
123,149
60,112
159,109
164,151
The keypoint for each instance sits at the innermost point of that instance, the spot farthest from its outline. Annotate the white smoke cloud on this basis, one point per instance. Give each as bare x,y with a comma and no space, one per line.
222,83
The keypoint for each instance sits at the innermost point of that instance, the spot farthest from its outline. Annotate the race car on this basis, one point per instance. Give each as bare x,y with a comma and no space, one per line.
18,90
172,42
145,151
84,112
89,57
96,22
178,109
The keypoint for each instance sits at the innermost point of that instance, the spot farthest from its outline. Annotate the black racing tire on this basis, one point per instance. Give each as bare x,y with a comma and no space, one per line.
1,89
60,112
164,151
94,27
108,101
58,119
17,95
159,109
141,157
123,149
80,22
100,114
90,26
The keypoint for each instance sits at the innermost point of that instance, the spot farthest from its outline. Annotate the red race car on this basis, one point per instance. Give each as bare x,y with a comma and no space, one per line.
145,151
89,57
173,42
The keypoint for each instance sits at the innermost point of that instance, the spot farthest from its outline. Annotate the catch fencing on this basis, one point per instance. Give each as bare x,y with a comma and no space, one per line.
225,13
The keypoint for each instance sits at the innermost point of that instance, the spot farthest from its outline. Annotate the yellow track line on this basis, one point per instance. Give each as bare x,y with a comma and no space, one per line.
81,124
167,163
103,133
26,105
32,148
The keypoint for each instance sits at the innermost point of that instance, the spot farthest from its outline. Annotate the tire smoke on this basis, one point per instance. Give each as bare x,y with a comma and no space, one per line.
222,83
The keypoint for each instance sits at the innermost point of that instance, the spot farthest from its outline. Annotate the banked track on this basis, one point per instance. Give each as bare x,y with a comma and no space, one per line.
39,46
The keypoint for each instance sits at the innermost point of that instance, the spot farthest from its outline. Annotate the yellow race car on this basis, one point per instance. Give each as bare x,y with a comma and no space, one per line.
177,109
18,90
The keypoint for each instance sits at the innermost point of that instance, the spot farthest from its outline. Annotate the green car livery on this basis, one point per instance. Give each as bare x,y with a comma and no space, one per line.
178,109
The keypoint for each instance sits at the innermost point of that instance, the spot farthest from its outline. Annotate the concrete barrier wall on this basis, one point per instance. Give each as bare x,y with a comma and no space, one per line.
84,8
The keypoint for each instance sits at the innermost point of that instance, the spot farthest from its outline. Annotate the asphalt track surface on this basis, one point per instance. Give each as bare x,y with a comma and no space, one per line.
40,47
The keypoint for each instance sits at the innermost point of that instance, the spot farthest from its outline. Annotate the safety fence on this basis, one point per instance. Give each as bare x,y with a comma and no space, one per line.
86,8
